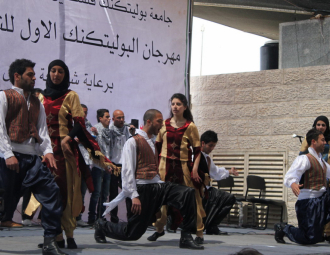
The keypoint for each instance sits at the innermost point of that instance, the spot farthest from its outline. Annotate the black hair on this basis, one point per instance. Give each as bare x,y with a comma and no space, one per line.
187,113
84,106
19,66
100,113
326,121
209,136
312,134
150,115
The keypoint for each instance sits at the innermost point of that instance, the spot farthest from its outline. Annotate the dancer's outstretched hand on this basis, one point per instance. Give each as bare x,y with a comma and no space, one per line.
136,206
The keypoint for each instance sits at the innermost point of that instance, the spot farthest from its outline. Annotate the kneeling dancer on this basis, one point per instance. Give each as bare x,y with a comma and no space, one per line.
313,205
141,182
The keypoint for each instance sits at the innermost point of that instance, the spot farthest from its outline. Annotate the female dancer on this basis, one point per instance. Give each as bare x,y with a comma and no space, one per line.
63,108
321,123
178,162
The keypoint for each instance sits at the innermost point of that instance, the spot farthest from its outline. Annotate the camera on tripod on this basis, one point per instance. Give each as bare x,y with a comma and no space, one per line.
2,203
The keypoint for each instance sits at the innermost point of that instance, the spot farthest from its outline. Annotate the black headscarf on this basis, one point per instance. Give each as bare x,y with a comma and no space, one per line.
56,91
326,121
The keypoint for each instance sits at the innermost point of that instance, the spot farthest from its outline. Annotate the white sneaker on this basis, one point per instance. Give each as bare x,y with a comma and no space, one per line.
82,224
27,223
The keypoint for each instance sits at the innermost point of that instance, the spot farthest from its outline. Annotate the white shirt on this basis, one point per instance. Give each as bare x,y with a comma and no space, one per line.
29,146
128,170
216,173
299,166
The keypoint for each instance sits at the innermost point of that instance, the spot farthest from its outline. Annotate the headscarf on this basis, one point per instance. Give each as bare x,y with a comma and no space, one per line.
56,91
326,121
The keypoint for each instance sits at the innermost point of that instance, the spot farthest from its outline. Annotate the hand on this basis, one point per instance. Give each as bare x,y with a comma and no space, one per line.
66,146
12,164
51,160
296,188
136,206
94,130
109,169
77,139
233,171
195,176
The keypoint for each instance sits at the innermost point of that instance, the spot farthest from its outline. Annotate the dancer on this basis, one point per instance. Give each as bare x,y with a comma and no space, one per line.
307,179
63,108
218,203
141,183
23,134
174,142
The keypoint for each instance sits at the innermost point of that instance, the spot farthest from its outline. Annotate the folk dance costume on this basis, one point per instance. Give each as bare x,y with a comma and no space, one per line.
313,205
65,117
218,203
23,133
140,179
176,164
61,113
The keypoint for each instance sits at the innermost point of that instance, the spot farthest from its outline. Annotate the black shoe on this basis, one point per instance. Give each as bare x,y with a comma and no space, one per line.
199,240
98,235
71,243
215,231
50,247
187,242
279,234
155,236
60,244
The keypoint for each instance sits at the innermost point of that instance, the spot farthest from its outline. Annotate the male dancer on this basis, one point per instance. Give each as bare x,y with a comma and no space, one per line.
23,134
313,205
219,203
141,182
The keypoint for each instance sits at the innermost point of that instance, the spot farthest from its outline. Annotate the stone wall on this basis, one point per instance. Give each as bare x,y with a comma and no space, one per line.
261,110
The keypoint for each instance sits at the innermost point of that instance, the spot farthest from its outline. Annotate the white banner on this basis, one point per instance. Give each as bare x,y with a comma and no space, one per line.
129,55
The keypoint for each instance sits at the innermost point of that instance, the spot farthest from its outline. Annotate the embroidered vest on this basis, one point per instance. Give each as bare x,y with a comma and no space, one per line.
315,177
147,161
203,169
21,123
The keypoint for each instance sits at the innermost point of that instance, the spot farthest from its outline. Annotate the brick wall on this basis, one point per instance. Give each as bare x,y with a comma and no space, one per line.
261,110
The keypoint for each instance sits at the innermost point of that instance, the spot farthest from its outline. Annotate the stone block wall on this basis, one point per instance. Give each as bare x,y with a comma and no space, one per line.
261,110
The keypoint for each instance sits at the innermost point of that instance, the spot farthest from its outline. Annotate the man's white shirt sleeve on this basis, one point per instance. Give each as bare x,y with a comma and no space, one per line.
216,173
5,144
128,169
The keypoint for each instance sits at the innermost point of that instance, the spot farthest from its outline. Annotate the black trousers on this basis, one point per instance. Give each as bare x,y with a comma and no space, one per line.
152,197
217,206
312,215
35,176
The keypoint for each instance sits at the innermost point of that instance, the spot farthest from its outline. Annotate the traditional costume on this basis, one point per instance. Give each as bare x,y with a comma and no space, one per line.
313,205
325,156
23,133
140,179
218,203
176,164
65,117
